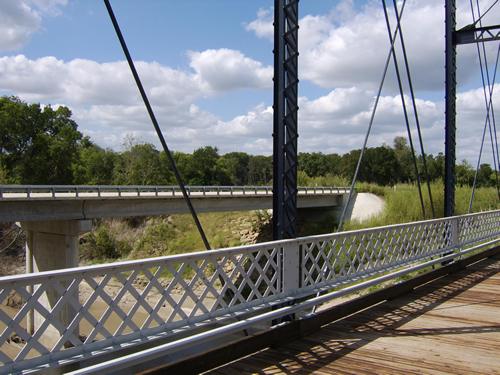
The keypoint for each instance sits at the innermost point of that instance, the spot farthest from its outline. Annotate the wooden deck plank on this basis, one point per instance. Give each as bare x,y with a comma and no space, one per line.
449,326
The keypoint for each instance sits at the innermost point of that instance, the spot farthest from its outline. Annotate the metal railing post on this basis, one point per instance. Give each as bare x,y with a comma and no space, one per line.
454,237
291,266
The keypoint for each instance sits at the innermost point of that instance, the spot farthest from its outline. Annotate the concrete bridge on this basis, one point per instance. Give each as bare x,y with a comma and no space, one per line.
43,203
54,217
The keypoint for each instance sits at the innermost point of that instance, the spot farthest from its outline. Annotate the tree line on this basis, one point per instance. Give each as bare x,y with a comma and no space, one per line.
42,145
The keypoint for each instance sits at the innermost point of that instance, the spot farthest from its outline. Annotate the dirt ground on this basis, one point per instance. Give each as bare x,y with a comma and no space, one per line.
12,259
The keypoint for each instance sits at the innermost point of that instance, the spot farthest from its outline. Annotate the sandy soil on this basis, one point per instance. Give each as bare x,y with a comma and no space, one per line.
366,206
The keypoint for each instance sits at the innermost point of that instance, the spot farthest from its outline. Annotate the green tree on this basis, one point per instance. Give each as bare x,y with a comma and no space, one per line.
348,163
435,166
484,176
234,166
95,165
381,166
315,164
183,162
141,165
465,174
405,160
37,145
260,170
202,169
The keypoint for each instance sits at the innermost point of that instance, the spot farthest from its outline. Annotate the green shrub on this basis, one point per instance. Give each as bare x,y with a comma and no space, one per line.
101,244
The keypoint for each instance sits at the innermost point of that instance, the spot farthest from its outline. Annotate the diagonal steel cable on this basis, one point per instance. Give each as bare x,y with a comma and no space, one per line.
483,138
370,125
152,116
405,112
414,104
489,106
486,12
492,120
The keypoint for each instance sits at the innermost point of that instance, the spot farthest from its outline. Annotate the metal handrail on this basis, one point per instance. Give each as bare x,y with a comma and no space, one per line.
98,191
255,278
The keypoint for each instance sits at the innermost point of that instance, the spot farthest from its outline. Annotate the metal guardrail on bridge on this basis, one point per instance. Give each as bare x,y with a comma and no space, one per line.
203,294
144,191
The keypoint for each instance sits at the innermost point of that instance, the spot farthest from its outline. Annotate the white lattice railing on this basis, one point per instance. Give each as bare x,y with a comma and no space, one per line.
329,260
90,310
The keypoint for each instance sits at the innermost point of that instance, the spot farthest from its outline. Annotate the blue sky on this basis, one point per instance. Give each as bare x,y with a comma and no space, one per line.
207,66
155,32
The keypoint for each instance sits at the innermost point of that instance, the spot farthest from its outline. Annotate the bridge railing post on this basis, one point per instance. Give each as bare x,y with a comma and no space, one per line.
454,235
291,266
292,272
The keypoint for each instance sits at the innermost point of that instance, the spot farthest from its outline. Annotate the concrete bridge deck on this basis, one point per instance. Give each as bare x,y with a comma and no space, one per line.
40,203
449,326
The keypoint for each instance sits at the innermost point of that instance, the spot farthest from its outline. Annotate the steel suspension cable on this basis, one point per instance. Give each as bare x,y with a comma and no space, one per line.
492,109
486,12
412,94
370,125
405,112
489,105
152,116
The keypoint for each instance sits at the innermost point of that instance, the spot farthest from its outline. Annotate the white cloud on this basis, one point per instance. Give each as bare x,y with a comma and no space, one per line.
107,106
262,26
348,47
225,69
19,19
81,81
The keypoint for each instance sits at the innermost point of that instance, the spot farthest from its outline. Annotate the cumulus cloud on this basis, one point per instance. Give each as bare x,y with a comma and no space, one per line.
82,81
19,19
226,69
347,47
262,26
107,106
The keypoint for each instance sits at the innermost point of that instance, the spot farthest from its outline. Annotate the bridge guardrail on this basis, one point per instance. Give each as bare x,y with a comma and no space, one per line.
121,304
99,191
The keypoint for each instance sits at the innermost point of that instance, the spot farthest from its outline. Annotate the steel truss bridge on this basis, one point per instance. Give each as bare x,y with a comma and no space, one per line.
122,317
133,316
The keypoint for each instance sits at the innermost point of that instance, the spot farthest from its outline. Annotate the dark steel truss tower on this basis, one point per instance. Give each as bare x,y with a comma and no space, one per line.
466,35
450,114
285,118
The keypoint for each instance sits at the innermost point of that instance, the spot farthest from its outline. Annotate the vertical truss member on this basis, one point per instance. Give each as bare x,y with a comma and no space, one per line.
466,35
286,26
450,114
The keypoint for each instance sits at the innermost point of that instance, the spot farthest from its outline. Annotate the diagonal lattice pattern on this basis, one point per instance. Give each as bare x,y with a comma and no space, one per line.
332,259
79,312
105,306
475,228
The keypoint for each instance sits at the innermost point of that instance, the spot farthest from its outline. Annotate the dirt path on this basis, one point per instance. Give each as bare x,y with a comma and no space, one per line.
366,206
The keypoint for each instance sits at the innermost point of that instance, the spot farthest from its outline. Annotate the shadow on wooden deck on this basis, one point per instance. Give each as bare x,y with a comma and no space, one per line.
412,333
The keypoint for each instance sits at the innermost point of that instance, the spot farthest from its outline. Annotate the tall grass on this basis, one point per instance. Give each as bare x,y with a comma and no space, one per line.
402,203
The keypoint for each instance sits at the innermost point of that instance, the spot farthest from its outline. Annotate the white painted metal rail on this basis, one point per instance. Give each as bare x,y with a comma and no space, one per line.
8,192
118,305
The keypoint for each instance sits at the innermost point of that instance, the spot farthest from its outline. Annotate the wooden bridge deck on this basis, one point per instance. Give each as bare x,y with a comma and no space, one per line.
451,325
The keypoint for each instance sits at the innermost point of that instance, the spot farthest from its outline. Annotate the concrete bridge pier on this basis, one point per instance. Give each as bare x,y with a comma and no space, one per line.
52,245
327,214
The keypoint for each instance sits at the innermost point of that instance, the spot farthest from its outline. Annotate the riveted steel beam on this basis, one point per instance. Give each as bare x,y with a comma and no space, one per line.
450,115
285,131
471,34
